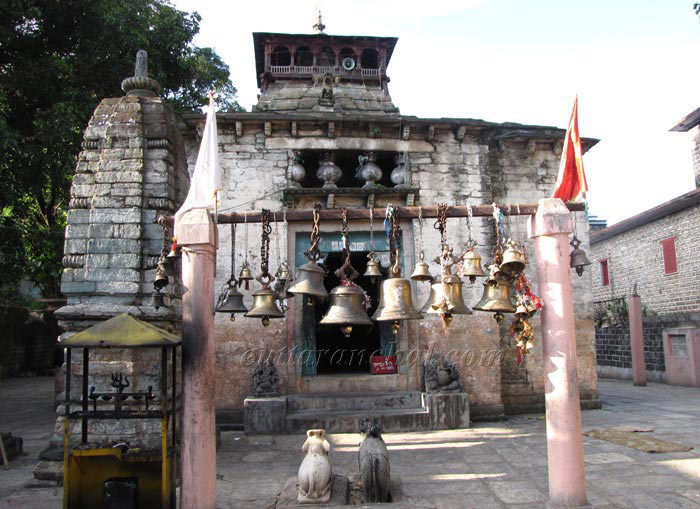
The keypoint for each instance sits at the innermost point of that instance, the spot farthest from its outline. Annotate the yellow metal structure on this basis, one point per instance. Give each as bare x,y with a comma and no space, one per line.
87,467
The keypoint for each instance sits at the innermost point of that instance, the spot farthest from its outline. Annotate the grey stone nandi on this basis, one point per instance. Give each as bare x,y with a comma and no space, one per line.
315,473
373,457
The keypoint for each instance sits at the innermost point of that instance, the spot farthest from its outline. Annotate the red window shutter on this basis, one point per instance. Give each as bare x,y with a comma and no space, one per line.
668,247
604,272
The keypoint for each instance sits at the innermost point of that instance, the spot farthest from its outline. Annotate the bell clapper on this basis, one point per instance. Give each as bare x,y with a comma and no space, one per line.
265,321
395,327
499,317
232,317
346,330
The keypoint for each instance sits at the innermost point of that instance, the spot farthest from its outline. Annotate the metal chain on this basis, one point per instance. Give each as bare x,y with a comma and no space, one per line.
313,252
286,229
470,239
420,230
245,238
345,233
265,244
371,231
233,251
441,223
394,231
277,240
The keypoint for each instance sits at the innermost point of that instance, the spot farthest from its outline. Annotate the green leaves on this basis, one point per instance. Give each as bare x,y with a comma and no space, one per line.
58,59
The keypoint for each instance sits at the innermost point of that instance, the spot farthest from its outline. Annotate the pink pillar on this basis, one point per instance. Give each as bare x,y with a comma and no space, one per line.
197,235
639,369
550,227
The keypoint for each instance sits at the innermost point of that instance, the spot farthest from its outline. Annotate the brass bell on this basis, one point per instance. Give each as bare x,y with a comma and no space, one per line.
471,265
160,280
446,296
496,298
395,301
157,301
265,305
521,311
232,302
347,308
245,276
282,273
421,272
310,281
373,268
578,257
513,260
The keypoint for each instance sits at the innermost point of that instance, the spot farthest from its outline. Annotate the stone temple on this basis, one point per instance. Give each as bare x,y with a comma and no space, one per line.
324,102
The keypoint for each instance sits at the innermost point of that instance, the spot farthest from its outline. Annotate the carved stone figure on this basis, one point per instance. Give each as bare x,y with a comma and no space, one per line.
440,375
327,92
315,473
373,458
265,379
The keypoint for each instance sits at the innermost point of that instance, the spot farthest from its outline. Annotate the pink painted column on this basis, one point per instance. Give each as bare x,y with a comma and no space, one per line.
550,228
639,369
197,235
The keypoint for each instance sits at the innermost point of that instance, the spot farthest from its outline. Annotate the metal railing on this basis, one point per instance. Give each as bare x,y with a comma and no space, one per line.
309,70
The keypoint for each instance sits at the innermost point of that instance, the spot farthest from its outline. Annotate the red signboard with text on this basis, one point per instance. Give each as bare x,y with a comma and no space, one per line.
383,364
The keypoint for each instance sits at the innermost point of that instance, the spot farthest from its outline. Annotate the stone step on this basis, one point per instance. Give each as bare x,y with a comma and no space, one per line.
348,421
353,402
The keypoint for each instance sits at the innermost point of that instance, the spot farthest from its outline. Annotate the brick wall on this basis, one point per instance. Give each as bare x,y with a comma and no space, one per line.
695,147
635,256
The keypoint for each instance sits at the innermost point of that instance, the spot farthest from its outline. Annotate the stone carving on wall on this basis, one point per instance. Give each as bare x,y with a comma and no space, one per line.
373,458
315,473
326,98
441,375
265,379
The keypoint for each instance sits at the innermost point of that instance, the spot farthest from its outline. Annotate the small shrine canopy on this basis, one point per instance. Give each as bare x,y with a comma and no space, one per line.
122,331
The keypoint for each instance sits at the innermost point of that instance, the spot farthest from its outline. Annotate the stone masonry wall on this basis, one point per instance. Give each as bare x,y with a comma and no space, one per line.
132,170
695,141
466,170
636,256
615,356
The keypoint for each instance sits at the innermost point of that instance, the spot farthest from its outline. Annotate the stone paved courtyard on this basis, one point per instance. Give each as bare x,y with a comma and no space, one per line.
490,465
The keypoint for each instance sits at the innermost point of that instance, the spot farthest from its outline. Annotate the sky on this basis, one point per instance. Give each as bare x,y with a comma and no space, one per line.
633,65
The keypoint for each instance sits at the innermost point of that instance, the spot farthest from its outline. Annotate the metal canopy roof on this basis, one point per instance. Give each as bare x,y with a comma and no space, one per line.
122,331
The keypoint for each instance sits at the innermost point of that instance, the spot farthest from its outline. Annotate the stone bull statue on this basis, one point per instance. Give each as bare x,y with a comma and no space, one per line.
373,457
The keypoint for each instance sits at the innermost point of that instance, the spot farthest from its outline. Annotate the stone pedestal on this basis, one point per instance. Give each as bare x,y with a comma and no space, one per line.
265,416
447,410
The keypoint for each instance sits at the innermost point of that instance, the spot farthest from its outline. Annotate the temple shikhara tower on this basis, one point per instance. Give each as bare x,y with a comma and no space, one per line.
324,131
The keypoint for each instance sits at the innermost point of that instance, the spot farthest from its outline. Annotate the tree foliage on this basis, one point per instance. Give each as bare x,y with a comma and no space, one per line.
58,59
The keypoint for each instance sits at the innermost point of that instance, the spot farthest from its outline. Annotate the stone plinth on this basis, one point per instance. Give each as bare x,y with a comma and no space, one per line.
265,416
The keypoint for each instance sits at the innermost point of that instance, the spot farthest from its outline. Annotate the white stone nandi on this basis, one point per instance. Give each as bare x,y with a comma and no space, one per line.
315,473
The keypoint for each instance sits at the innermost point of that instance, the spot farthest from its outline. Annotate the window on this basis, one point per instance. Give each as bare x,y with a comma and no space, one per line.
280,56
304,57
370,59
604,276
668,248
326,57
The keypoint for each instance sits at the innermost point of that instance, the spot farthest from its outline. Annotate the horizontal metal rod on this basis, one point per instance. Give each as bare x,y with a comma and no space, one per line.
430,211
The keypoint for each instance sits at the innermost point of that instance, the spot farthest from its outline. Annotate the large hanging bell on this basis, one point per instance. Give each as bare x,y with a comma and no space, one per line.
471,265
160,280
421,272
496,298
446,297
310,281
265,305
347,308
395,301
578,257
513,260
233,301
245,276
373,267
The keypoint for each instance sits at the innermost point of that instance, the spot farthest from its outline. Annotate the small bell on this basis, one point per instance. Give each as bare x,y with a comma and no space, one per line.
232,301
395,301
310,281
373,269
157,300
347,308
160,280
496,298
578,257
265,304
446,296
513,260
471,265
421,272
174,251
245,276
282,273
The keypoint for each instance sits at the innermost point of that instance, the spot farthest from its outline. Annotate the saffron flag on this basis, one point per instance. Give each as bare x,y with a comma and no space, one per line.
206,178
571,181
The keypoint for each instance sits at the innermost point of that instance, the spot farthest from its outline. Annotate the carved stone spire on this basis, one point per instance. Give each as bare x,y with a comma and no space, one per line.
140,84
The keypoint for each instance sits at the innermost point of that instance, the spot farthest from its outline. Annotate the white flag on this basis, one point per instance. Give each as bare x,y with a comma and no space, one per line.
206,179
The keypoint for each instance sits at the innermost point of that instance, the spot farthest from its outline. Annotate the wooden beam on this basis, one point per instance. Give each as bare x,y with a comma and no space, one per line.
255,216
